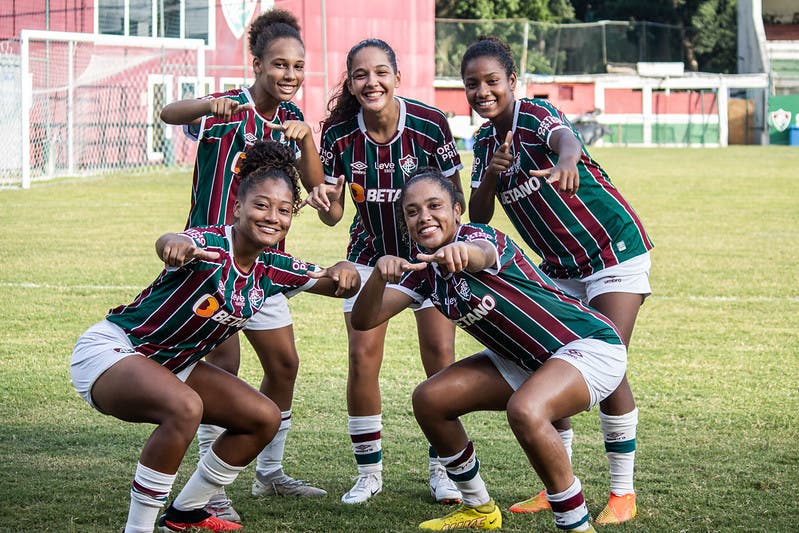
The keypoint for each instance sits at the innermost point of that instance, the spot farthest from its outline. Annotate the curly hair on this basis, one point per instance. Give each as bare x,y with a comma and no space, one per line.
272,25
485,45
269,160
343,105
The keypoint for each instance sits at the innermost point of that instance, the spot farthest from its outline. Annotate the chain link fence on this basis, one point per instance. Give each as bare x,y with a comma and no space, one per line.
561,49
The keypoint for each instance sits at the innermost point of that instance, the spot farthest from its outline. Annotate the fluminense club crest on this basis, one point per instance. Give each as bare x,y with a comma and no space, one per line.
780,119
463,289
256,297
408,164
237,14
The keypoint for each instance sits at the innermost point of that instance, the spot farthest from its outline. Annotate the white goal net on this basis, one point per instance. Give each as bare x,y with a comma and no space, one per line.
90,104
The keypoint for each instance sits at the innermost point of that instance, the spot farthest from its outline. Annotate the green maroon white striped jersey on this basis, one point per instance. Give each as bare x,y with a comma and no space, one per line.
376,172
186,312
215,183
512,308
577,236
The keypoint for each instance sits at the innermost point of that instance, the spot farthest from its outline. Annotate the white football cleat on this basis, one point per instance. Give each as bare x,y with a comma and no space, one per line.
366,486
442,488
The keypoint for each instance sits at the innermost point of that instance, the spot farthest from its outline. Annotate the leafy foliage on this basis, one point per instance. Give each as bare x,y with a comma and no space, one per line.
706,29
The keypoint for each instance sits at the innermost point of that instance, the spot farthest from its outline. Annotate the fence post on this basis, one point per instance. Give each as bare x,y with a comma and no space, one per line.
521,89
26,97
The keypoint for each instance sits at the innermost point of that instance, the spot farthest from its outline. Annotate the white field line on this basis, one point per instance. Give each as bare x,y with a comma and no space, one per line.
746,299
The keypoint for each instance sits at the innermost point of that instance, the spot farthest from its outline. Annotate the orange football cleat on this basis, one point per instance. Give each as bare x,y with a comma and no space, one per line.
619,509
537,503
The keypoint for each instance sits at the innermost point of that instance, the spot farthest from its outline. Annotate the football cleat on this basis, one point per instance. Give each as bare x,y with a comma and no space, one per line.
366,486
619,509
198,519
279,484
221,507
537,503
486,516
442,488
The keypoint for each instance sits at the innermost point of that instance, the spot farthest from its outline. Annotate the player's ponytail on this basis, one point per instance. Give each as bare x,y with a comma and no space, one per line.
343,105
268,159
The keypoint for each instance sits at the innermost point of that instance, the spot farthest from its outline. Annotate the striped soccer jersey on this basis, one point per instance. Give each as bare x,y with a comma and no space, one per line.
577,236
215,183
512,308
376,173
186,312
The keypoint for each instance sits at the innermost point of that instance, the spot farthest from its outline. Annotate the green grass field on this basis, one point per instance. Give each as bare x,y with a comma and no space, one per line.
714,361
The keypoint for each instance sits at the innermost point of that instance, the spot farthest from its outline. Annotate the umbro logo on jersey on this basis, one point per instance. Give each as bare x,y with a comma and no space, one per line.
124,350
250,139
359,167
408,164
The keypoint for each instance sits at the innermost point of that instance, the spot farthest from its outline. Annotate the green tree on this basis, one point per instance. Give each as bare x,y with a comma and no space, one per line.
710,26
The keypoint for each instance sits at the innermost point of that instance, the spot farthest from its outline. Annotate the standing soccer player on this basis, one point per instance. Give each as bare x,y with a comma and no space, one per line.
547,355
226,126
143,362
372,141
563,204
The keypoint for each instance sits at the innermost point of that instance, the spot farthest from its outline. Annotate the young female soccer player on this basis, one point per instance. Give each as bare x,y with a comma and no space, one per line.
548,355
143,362
374,140
529,157
226,125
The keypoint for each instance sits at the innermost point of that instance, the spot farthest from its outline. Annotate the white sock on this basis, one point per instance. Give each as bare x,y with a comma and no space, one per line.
464,469
148,493
206,435
569,508
211,474
619,434
566,437
366,442
271,457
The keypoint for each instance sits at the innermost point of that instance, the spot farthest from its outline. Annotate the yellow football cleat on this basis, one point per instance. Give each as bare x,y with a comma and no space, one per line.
486,516
619,509
537,503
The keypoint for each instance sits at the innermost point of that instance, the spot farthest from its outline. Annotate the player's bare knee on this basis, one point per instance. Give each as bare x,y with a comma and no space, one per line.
284,367
183,411
426,400
264,420
364,363
526,415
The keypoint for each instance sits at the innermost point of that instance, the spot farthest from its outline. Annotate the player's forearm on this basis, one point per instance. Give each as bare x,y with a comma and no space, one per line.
311,172
185,111
366,311
481,256
481,202
332,216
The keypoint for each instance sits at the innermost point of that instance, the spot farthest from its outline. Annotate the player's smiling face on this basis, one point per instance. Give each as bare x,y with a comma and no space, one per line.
281,70
264,214
489,89
430,214
372,79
